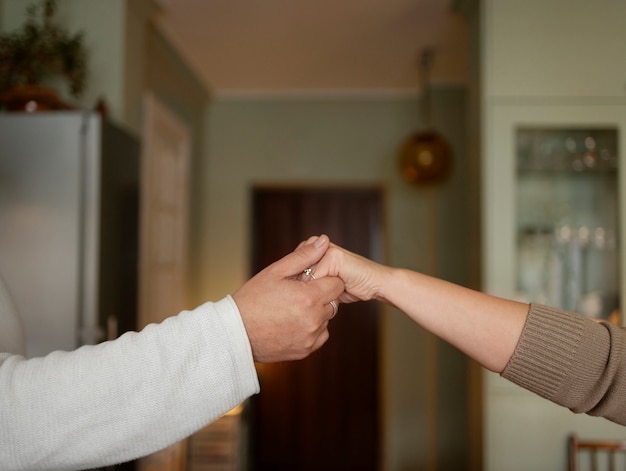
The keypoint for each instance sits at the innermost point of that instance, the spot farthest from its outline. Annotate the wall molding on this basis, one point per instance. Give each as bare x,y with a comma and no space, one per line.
321,93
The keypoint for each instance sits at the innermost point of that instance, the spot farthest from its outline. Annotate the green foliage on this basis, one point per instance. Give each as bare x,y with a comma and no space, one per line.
41,49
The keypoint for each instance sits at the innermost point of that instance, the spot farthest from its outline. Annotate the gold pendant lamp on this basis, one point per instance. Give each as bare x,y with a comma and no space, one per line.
425,156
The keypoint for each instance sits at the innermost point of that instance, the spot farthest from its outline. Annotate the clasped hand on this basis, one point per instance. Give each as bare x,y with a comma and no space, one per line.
287,318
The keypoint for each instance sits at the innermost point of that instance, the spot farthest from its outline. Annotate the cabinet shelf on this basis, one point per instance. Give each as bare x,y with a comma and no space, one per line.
567,150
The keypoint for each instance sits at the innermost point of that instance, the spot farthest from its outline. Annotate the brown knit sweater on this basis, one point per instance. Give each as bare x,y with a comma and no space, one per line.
573,361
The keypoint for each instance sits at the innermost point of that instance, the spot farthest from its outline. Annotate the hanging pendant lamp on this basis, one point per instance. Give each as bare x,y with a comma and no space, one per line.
425,156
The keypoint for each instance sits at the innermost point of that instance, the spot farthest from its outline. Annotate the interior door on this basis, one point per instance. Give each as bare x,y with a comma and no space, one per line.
320,413
164,221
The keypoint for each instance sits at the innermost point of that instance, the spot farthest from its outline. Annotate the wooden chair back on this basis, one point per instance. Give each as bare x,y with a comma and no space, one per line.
596,455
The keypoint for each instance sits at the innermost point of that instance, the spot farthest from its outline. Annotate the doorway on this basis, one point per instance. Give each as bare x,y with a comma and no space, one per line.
322,412
164,215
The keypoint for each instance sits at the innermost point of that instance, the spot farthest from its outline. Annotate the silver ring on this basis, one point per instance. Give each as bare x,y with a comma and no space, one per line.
333,303
308,274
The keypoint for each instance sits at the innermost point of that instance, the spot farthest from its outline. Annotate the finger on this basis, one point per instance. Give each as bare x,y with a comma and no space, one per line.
310,240
307,274
304,256
330,288
328,265
321,338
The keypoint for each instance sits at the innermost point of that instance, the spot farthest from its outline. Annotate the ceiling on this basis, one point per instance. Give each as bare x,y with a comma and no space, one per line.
317,46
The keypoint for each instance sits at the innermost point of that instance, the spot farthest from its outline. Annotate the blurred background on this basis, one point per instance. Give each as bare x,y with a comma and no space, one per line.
290,118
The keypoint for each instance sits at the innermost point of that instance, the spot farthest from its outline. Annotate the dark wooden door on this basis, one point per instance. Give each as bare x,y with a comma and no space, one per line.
320,413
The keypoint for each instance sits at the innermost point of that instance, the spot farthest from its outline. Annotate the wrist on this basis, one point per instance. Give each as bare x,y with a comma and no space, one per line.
383,283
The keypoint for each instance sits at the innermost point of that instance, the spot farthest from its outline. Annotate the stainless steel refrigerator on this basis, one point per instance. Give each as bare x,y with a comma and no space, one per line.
69,218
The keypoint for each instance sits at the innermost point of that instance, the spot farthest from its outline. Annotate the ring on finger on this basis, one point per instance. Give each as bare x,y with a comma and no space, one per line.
333,303
308,274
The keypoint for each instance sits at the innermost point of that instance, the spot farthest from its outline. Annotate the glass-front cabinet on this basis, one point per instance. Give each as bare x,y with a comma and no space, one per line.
553,231
566,216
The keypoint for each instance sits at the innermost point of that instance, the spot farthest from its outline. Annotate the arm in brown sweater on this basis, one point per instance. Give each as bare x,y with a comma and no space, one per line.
572,361
564,357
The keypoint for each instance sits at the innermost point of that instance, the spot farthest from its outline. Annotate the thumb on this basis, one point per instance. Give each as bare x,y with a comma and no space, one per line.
304,256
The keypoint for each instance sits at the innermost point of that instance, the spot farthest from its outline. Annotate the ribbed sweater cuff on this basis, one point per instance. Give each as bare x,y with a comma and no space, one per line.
545,355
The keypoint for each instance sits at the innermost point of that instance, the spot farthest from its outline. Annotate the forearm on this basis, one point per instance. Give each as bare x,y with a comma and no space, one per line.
566,358
127,398
484,327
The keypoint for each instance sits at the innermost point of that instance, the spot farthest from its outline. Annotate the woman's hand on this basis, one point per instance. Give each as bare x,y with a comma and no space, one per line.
363,278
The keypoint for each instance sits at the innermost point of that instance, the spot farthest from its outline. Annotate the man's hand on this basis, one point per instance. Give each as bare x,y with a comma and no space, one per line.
285,318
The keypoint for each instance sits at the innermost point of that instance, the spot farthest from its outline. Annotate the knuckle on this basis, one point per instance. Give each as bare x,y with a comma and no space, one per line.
312,323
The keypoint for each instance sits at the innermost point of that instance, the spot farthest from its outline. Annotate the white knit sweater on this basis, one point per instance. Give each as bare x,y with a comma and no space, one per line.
113,402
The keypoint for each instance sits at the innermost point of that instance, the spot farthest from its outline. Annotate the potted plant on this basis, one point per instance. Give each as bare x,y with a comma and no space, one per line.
34,55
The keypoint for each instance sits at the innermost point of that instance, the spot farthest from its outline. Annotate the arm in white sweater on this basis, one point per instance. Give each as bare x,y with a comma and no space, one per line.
126,398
